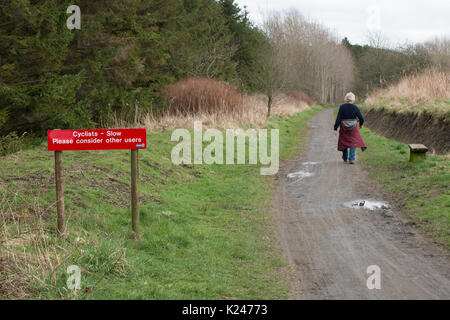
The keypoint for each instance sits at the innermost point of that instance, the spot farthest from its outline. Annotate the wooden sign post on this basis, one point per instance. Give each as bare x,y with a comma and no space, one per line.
59,193
135,193
103,139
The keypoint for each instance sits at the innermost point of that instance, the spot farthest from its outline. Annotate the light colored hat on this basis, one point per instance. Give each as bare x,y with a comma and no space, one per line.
350,97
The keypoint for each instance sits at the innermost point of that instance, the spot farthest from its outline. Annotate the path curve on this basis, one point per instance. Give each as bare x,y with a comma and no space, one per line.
330,246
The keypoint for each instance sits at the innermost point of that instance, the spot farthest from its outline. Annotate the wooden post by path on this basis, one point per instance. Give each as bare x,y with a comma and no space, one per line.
59,192
417,152
135,193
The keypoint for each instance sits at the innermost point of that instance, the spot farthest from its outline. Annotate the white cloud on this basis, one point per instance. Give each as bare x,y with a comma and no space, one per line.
400,20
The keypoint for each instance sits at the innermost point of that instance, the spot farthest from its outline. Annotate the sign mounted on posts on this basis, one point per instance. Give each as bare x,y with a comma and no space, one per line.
102,139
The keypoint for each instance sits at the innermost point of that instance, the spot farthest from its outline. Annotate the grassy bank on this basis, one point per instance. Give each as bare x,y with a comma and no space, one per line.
206,232
428,92
416,109
421,189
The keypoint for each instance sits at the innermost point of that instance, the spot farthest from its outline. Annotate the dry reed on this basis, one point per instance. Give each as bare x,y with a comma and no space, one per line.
253,113
428,91
299,95
219,105
193,96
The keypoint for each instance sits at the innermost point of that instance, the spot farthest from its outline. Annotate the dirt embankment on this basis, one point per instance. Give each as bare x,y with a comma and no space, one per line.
411,128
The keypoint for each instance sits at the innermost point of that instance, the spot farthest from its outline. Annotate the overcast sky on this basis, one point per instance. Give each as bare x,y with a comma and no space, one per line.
399,20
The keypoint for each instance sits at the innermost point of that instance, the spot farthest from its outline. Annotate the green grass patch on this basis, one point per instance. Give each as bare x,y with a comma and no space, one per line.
421,188
206,231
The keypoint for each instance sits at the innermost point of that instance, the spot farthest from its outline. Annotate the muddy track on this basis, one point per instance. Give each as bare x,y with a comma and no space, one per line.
330,246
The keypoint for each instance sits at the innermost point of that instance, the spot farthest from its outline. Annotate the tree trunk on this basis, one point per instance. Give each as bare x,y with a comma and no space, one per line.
269,105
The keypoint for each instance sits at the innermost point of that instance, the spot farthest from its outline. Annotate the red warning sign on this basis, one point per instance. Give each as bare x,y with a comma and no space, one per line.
101,139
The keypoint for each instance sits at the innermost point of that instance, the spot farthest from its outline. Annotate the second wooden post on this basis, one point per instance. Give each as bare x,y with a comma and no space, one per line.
135,193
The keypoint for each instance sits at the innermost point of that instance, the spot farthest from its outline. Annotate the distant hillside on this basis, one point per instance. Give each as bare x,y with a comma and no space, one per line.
379,67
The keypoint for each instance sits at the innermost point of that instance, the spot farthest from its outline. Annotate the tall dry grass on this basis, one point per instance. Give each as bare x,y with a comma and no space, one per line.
34,260
219,105
299,95
193,96
253,113
27,255
428,91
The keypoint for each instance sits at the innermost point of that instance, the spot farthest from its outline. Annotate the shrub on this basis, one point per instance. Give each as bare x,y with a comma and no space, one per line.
303,97
193,96
12,142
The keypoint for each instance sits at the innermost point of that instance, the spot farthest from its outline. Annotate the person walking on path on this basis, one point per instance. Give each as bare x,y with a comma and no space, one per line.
349,136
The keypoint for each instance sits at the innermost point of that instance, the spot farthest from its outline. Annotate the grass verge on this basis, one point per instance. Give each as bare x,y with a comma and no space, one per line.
421,189
206,232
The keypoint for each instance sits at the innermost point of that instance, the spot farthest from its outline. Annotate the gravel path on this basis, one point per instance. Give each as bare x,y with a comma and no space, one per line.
330,245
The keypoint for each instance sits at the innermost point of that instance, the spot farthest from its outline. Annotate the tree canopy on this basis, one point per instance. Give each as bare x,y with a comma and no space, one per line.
117,64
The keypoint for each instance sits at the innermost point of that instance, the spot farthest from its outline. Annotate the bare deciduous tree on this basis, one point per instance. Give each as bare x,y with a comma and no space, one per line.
439,52
272,75
307,57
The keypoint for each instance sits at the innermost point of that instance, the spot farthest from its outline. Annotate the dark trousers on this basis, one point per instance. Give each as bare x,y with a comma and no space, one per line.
350,156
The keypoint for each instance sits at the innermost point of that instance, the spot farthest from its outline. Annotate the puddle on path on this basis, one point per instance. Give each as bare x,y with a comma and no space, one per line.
303,174
368,204
300,174
310,163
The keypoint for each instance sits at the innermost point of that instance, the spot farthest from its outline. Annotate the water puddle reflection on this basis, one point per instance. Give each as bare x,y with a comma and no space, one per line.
300,174
368,204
